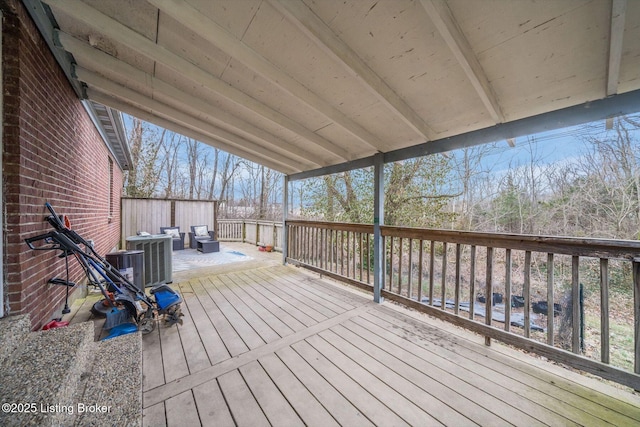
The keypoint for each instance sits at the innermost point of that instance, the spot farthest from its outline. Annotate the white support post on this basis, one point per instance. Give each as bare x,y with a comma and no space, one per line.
378,220
285,211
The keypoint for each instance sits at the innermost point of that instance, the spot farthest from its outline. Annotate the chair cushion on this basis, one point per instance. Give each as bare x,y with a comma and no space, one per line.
173,232
201,231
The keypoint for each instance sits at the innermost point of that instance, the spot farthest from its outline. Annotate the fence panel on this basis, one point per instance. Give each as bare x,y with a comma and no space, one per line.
188,213
143,215
150,214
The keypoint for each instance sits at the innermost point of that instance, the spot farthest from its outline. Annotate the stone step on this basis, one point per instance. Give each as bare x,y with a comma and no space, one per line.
44,372
115,383
62,377
13,331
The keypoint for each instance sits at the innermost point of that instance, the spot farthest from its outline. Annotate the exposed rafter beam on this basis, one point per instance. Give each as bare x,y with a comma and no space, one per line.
122,34
307,21
126,107
441,16
618,12
231,140
127,75
225,41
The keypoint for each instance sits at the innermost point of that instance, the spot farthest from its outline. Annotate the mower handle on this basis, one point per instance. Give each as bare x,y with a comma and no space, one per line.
57,241
58,222
47,236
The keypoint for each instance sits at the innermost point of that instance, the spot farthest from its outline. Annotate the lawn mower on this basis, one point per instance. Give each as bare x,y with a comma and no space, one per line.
127,304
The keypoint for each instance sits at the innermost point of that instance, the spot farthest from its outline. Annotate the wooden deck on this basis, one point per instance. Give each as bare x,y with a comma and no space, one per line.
266,344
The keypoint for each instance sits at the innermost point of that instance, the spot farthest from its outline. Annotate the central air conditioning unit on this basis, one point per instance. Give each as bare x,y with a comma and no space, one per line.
157,257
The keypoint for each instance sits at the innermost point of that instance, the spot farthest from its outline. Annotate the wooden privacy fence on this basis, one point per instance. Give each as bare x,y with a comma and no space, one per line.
523,290
251,231
149,215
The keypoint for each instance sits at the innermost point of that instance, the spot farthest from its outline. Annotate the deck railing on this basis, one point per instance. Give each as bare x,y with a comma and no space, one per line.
263,233
548,295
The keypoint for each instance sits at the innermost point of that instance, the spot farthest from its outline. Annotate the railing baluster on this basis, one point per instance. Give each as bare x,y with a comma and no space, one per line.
342,253
316,246
309,249
319,247
327,249
443,304
310,245
456,309
507,290
472,283
302,243
294,241
488,311
400,254
420,260
604,310
432,263
346,245
391,239
636,313
526,293
410,270
323,248
361,254
369,257
550,299
334,251
384,262
353,256
309,240
333,246
575,306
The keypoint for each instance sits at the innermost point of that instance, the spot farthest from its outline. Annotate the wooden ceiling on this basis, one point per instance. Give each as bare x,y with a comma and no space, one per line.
304,85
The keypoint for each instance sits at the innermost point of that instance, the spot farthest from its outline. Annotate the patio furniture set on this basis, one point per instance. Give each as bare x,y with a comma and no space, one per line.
200,238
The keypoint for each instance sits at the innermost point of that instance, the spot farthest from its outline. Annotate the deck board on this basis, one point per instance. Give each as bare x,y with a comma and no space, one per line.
372,408
257,305
154,416
195,352
211,341
268,396
212,408
181,410
232,342
242,404
577,405
277,345
423,373
303,402
284,302
173,358
424,391
247,311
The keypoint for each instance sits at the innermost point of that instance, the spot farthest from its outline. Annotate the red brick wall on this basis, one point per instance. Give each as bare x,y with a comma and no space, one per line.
52,153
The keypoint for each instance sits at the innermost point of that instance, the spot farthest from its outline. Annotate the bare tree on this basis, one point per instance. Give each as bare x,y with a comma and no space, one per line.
144,175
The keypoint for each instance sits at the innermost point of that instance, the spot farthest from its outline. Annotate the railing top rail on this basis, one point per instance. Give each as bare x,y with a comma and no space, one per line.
360,228
590,247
